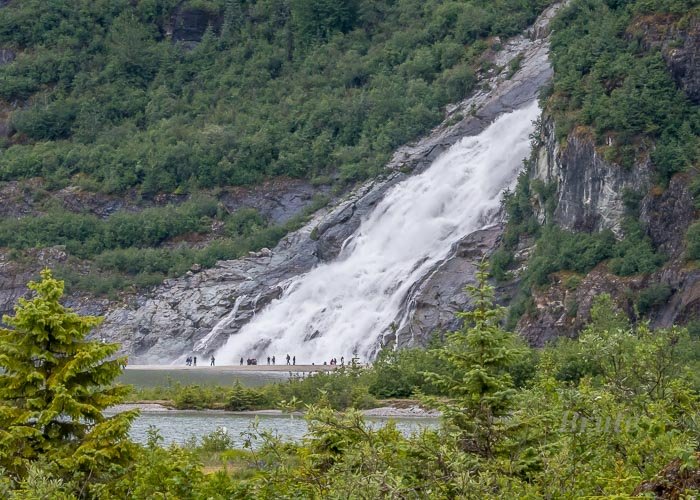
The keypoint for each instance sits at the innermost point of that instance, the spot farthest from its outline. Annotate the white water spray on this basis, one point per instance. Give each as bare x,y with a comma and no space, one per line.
219,327
344,306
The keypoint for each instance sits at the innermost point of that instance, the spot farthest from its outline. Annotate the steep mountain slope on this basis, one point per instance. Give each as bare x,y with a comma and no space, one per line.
608,201
304,102
114,113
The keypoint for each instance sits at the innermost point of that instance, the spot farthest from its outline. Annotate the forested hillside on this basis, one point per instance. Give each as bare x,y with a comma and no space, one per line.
142,98
625,84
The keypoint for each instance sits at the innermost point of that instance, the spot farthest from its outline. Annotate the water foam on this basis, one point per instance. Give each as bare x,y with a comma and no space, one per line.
344,306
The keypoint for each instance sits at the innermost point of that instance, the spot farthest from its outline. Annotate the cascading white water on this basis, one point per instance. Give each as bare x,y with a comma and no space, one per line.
343,306
219,327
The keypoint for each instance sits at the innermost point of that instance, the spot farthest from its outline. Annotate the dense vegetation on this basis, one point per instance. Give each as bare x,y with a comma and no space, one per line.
275,86
596,416
607,78
103,96
609,83
141,247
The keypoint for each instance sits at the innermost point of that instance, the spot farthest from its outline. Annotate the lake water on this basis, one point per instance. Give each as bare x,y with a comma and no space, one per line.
179,426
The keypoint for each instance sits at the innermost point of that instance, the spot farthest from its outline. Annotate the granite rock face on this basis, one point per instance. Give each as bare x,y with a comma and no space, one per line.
589,190
589,195
179,316
434,300
198,313
277,200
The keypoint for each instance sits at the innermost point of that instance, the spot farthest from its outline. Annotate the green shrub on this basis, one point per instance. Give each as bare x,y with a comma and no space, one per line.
400,373
217,440
116,101
193,397
652,296
692,238
243,399
606,79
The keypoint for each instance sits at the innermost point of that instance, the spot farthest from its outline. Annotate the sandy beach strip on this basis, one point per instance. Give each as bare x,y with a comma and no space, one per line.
238,368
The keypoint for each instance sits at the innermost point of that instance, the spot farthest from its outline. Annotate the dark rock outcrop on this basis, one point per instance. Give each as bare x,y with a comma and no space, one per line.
277,200
679,42
14,278
675,481
433,301
7,56
563,308
189,24
667,215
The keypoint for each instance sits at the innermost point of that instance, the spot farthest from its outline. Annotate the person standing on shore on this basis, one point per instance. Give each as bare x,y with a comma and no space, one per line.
241,360
212,361
273,360
288,358
195,361
294,360
268,360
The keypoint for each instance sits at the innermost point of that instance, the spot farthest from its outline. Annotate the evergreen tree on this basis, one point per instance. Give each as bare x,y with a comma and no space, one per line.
54,387
478,356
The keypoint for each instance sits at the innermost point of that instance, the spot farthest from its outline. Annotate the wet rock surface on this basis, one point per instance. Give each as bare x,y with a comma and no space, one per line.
433,301
179,316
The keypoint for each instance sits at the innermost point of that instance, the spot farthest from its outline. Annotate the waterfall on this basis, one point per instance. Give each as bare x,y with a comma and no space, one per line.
344,306
219,327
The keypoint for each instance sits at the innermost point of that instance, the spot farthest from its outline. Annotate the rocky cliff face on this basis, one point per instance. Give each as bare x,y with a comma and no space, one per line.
189,24
589,190
589,194
679,43
277,200
589,198
201,310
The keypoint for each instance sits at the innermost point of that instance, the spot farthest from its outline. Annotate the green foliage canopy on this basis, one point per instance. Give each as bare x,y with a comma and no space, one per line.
54,387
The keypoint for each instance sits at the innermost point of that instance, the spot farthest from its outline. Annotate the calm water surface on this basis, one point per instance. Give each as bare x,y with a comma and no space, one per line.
180,426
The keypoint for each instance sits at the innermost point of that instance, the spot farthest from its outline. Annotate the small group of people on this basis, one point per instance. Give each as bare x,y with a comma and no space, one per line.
293,358
249,361
334,361
192,361
269,358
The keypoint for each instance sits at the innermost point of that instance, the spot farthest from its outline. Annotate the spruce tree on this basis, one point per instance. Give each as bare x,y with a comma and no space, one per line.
478,357
54,386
